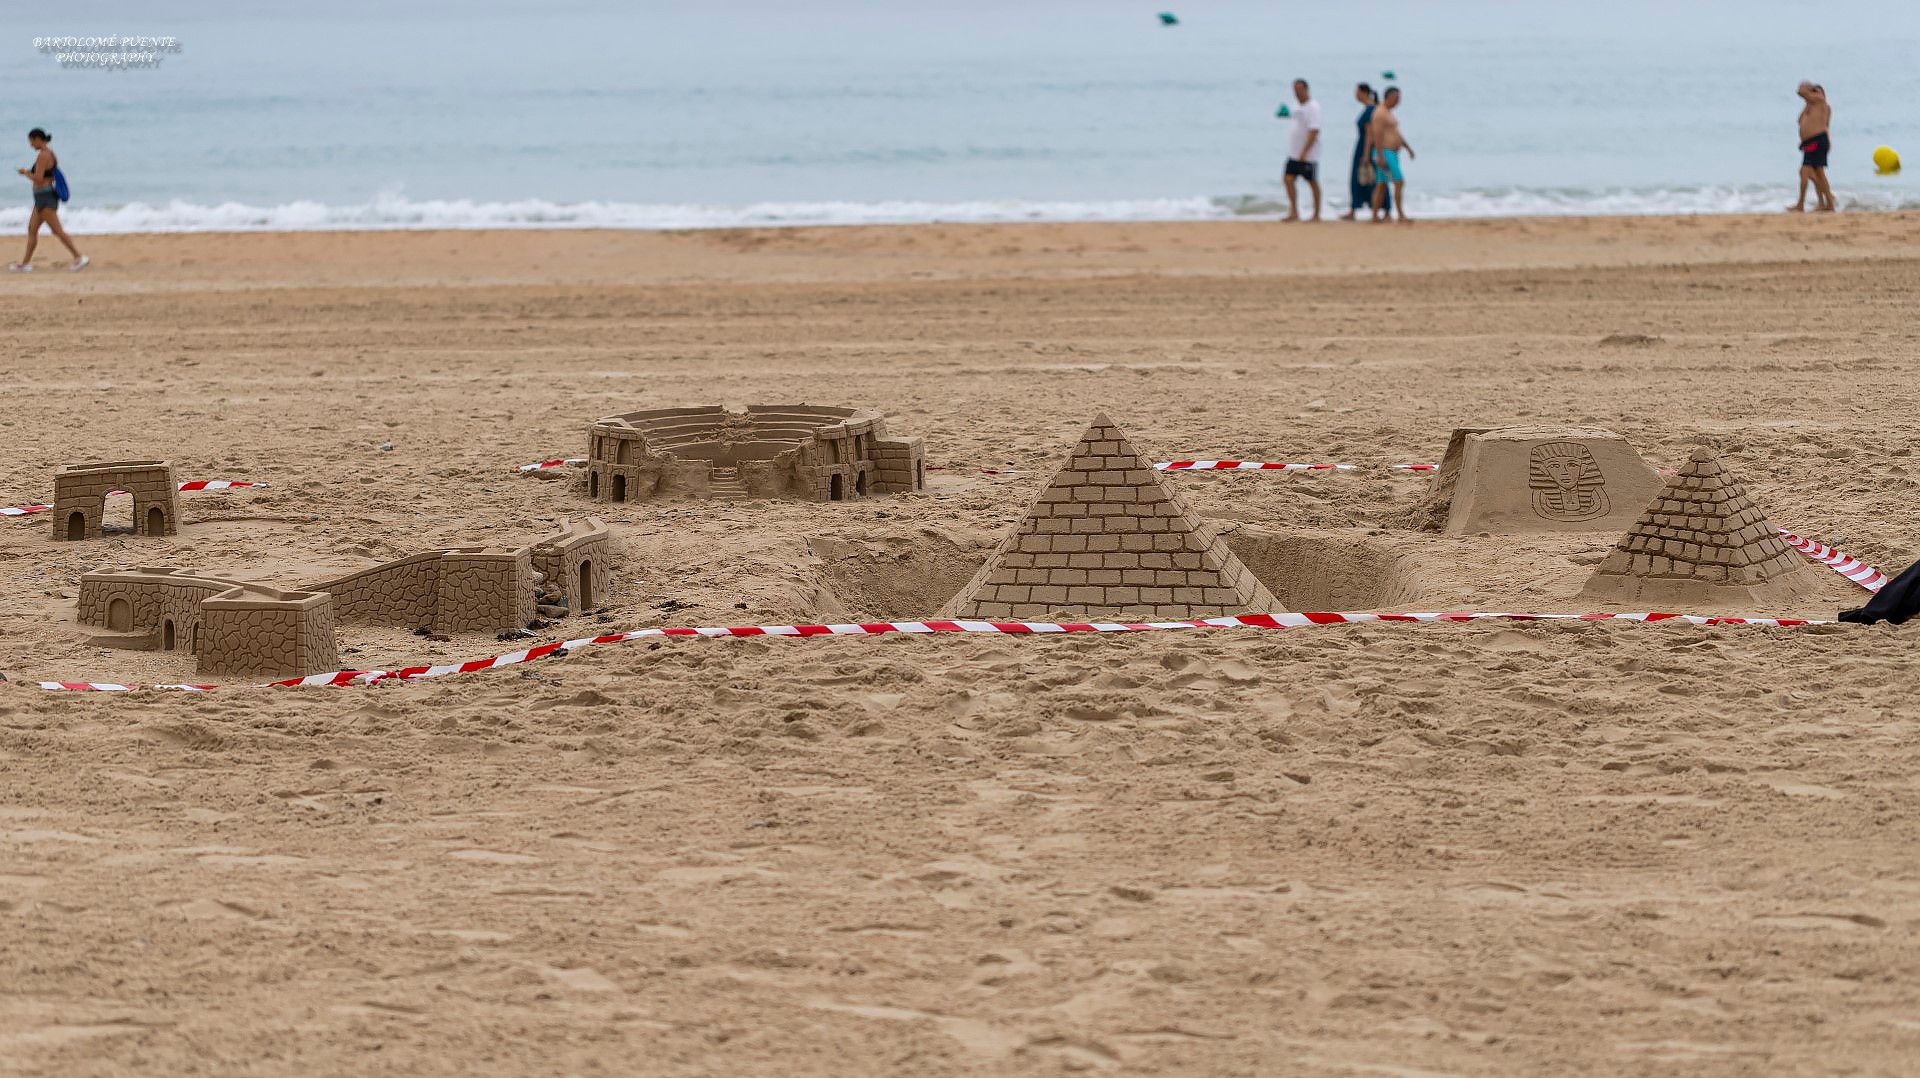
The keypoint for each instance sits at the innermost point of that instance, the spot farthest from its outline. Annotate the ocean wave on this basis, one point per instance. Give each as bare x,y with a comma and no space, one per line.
394,212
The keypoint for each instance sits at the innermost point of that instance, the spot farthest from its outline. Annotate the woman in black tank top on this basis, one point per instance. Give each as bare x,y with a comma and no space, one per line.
46,203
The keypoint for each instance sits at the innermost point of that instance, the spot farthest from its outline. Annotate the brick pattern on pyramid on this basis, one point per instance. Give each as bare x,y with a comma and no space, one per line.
1701,538
1109,538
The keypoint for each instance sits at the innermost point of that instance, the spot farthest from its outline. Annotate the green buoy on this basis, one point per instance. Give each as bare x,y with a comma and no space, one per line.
1284,112
1387,75
1168,18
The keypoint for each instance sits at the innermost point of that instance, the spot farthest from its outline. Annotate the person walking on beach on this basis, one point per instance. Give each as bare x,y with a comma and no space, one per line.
1303,151
1816,142
46,203
1361,193
1388,144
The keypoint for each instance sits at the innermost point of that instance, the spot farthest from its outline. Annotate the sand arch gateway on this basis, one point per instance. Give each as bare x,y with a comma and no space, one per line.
806,451
80,497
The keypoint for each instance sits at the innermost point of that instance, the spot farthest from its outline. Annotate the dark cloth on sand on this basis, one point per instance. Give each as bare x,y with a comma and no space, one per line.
1896,602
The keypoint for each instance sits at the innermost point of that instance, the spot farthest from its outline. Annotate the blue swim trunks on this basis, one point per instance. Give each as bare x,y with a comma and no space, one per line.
1388,166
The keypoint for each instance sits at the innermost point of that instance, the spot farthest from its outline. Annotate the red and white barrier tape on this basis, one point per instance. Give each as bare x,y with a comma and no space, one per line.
1247,466
1163,466
1035,628
1864,575
189,485
209,484
1846,565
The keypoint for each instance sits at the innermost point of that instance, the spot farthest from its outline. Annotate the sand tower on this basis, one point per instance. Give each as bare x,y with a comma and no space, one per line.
1512,480
1702,540
1108,538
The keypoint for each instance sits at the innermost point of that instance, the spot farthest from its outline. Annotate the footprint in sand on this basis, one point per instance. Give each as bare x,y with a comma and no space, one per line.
987,1040
711,874
578,978
55,1035
34,834
250,859
468,935
207,909
493,857
1822,920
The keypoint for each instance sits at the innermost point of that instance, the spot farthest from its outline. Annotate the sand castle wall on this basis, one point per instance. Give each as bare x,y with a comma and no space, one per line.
574,564
484,589
231,626
80,497
402,592
455,589
805,451
145,599
264,632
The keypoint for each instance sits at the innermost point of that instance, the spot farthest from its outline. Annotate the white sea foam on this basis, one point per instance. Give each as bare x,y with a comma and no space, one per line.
393,212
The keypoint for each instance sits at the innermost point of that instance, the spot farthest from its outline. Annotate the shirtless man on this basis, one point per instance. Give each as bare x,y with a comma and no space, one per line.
1388,145
1815,143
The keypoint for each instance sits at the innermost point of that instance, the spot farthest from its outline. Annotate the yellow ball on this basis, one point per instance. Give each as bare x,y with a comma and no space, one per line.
1885,159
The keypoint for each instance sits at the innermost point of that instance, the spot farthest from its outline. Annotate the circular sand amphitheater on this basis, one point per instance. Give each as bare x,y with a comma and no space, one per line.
805,451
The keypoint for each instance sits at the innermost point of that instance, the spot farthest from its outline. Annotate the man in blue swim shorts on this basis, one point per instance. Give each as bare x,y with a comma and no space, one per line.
1388,145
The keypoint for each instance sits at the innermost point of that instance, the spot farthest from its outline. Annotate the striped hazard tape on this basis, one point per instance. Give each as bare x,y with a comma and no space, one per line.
1271,466
1024,628
1164,466
1846,565
189,485
1864,575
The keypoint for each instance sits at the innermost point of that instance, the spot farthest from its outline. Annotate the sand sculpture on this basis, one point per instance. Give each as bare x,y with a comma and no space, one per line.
480,588
231,626
1109,538
800,451
234,627
1511,480
80,496
570,567
1701,540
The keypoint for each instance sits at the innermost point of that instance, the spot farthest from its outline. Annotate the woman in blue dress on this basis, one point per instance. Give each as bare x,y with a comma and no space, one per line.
1361,194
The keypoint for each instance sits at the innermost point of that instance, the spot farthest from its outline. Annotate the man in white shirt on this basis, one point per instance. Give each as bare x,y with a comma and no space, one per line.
1303,150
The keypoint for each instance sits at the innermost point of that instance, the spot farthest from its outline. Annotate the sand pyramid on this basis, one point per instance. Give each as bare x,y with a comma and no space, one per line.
1702,539
1109,538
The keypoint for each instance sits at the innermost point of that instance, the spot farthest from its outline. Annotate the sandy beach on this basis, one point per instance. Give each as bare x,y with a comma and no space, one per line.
1374,849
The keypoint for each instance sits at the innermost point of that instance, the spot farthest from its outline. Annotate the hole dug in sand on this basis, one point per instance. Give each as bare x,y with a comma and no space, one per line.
891,579
1335,571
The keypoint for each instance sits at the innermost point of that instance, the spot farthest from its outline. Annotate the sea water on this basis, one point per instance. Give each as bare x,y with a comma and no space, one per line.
603,113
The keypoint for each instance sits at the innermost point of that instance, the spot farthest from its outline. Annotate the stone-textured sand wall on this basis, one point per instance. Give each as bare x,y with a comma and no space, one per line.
401,592
561,558
249,637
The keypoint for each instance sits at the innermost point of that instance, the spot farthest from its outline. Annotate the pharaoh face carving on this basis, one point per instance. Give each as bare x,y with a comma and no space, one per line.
1566,482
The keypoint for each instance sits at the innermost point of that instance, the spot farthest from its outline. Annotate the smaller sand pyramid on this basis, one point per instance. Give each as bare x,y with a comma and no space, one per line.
1702,539
1109,538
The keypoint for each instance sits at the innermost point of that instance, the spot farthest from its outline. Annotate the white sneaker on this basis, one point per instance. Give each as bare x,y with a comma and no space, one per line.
79,264
20,267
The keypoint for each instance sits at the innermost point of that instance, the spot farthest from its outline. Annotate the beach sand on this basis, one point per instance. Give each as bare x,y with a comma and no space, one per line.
1376,849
